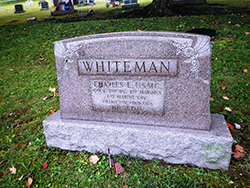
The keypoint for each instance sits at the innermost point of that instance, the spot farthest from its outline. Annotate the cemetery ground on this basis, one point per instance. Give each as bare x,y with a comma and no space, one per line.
29,94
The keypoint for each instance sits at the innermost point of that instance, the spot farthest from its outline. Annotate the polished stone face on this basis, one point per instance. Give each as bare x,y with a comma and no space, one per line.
144,78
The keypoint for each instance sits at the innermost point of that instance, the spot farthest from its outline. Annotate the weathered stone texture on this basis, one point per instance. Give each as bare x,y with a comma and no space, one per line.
208,149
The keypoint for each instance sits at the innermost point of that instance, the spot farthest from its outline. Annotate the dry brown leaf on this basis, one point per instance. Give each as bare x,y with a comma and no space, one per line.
225,97
13,170
93,159
238,155
238,148
1,162
238,151
30,180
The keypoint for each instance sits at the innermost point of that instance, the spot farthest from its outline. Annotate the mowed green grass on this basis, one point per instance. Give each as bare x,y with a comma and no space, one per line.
28,71
7,15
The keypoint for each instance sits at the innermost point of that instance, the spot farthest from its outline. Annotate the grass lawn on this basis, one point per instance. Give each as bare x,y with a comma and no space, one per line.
28,74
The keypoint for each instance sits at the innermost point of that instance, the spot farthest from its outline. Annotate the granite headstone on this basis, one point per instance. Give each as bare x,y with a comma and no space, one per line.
19,8
140,93
130,3
44,6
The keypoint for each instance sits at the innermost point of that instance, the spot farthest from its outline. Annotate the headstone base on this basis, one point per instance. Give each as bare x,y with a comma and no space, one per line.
44,9
208,149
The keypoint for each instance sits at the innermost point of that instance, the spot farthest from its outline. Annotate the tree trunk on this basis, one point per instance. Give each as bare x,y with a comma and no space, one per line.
159,8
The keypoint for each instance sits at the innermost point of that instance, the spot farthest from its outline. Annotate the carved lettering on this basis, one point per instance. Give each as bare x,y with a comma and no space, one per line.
166,67
128,96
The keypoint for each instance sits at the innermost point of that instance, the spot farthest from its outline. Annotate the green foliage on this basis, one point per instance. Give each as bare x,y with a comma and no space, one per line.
27,69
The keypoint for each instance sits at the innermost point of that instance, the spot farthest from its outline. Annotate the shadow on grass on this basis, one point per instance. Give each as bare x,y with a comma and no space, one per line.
142,12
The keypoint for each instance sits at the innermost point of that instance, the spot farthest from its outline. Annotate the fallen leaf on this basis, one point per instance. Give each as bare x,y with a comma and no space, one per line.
238,148
13,170
230,126
242,125
228,109
222,81
19,101
125,186
223,87
229,40
44,166
238,155
52,89
11,69
238,151
225,97
20,178
30,180
246,33
1,175
51,112
1,162
219,107
93,159
211,99
18,144
245,70
237,126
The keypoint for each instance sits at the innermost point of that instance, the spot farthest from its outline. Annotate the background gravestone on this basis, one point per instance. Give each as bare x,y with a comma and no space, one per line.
44,6
149,99
85,2
19,8
130,3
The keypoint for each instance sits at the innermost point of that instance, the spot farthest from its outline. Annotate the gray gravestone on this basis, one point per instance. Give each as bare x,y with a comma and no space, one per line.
130,3
142,93
19,8
44,6
85,2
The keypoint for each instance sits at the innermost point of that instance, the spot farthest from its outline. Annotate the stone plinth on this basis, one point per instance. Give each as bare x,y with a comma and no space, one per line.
208,149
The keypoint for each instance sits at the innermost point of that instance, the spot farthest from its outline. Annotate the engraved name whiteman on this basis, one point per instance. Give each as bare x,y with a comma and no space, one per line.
128,66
